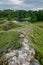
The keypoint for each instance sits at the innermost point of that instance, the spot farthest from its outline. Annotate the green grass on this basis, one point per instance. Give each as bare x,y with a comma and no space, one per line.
9,39
8,25
33,32
36,37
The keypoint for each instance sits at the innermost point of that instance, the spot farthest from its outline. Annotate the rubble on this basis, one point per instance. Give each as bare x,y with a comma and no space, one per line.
23,56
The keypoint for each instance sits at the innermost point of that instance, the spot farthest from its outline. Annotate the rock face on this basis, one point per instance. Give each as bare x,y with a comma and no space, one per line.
23,56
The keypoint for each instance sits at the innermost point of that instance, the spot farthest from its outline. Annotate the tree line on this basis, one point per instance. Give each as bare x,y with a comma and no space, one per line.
22,15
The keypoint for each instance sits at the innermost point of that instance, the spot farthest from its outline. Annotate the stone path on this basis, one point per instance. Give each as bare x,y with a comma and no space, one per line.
23,56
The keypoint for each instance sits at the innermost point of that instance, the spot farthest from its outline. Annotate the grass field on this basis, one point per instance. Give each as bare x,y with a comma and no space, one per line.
33,32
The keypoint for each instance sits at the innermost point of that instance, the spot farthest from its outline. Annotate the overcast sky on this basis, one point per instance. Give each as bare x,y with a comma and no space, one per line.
21,4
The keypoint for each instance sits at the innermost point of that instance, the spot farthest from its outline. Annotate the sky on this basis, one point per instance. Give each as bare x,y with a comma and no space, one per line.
21,4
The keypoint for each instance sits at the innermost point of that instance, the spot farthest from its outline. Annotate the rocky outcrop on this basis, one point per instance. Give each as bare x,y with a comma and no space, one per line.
23,56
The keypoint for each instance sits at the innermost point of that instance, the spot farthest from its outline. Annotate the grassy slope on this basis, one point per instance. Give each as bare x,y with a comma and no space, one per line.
33,32
36,37
9,39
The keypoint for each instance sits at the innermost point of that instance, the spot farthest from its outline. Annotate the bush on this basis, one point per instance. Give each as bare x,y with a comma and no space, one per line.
34,19
39,57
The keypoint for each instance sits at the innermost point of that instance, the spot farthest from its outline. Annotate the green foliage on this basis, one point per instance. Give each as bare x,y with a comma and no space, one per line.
40,15
34,19
37,41
8,25
21,14
8,40
16,44
39,57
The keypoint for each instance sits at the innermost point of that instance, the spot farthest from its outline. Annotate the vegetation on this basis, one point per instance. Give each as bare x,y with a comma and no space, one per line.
22,15
33,31
10,31
8,25
36,37
9,38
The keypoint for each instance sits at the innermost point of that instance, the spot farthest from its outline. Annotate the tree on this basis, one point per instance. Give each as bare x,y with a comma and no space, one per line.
34,19
20,15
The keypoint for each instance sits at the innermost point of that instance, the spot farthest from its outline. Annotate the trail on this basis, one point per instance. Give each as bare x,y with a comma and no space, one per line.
23,56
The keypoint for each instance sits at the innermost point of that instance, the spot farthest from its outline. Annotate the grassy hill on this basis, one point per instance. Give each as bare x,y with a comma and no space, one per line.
9,37
36,37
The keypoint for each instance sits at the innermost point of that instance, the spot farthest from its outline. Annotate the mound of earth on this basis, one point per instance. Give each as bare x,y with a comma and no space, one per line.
10,25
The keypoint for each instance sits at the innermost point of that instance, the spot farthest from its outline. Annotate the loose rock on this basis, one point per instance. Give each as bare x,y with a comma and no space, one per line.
23,56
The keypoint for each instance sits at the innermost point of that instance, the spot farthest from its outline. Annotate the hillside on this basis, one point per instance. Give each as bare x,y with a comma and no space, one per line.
9,37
